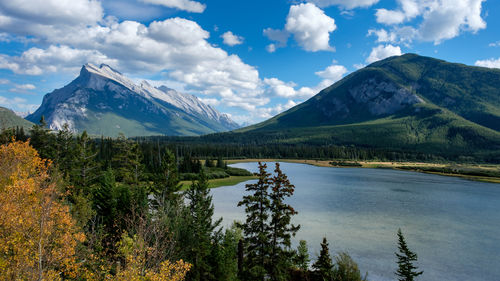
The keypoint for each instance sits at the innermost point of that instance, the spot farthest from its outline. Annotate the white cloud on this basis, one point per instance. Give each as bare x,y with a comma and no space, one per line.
175,45
494,44
209,101
491,63
50,12
389,17
185,5
268,112
330,75
4,81
277,35
17,103
231,40
36,61
382,35
310,27
333,73
26,87
271,48
440,19
276,87
381,52
346,4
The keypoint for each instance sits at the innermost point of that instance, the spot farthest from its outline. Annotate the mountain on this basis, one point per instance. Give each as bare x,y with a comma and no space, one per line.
102,101
407,102
9,119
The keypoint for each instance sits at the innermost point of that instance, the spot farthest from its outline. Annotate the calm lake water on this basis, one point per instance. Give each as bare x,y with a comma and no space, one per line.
451,223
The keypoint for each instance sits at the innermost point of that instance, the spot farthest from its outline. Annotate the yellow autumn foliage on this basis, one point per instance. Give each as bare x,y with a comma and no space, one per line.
38,236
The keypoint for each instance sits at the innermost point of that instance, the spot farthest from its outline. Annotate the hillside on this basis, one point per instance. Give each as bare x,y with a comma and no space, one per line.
8,119
102,101
408,102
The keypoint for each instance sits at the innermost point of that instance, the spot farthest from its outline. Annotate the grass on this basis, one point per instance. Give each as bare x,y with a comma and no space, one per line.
213,183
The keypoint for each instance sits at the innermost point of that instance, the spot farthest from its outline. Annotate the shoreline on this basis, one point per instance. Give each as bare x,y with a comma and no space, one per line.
420,167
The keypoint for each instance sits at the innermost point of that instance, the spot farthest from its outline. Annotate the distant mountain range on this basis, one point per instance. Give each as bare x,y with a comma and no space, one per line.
9,119
407,102
102,101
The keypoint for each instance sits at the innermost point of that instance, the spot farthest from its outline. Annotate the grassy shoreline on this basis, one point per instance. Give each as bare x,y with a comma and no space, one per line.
214,183
473,172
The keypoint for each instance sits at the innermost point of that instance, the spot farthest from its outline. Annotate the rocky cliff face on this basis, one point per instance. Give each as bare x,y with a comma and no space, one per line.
103,101
378,98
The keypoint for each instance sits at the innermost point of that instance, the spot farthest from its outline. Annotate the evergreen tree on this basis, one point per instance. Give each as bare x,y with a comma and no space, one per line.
256,228
85,169
280,226
302,257
406,270
166,178
65,152
323,264
220,162
42,140
198,237
126,160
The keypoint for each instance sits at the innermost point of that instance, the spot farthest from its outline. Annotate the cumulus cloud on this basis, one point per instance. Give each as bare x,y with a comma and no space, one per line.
18,103
277,35
330,75
382,35
185,5
22,88
271,48
268,112
440,20
381,52
346,4
231,40
490,63
175,45
333,73
36,61
310,27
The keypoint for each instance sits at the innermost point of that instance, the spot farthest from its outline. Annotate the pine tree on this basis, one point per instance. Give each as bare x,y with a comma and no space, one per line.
256,228
166,178
42,140
126,160
198,236
406,270
302,257
85,169
280,226
323,264
65,152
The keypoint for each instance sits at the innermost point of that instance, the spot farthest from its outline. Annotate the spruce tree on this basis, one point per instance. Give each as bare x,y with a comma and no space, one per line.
280,225
406,270
85,169
302,257
323,264
200,227
256,227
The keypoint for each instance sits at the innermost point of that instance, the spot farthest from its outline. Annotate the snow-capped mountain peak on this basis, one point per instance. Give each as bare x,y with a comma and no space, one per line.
104,95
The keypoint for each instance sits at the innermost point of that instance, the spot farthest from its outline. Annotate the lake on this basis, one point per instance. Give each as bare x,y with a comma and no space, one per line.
451,223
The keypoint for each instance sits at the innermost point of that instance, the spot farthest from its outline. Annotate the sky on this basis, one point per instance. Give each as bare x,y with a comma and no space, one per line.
249,59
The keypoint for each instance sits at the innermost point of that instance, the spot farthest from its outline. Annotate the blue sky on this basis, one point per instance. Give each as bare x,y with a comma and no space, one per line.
251,59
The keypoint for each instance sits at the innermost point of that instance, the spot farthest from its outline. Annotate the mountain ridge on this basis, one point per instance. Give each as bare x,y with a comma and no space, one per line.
104,102
406,102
